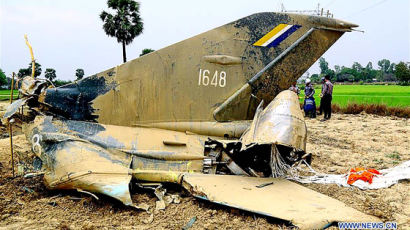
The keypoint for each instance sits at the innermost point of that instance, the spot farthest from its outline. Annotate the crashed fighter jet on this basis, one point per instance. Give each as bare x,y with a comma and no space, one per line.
209,113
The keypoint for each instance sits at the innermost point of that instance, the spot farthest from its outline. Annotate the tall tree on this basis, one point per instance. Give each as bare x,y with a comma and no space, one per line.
3,78
369,65
79,73
27,71
50,74
357,71
392,67
23,72
331,73
337,69
315,78
384,65
125,24
146,51
402,73
356,66
324,66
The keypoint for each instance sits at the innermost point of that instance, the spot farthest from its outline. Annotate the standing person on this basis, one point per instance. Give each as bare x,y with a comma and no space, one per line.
321,97
295,88
327,92
309,104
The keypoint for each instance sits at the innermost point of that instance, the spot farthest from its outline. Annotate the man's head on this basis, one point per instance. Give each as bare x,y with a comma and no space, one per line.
294,83
307,81
327,77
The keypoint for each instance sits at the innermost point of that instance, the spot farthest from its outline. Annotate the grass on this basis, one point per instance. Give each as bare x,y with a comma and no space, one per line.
395,155
388,95
5,94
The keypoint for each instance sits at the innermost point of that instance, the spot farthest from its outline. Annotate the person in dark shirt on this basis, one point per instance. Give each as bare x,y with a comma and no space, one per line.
327,91
321,98
309,104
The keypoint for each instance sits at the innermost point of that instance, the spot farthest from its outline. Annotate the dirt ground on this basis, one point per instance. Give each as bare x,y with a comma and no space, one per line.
348,141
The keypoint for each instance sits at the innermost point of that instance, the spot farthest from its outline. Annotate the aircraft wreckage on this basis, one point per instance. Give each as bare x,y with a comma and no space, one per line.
209,113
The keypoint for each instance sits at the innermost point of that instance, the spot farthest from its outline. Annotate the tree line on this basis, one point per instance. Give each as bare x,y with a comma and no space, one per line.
124,24
386,71
50,74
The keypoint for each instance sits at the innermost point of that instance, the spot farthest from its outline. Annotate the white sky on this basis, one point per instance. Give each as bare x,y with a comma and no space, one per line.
68,34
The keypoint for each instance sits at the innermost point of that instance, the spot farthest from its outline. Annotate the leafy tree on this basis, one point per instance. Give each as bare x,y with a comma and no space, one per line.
391,68
402,73
324,66
125,24
369,66
79,73
3,78
37,71
384,65
369,73
50,74
386,72
23,73
315,78
146,51
357,67
346,74
337,69
27,72
389,77
331,73
357,71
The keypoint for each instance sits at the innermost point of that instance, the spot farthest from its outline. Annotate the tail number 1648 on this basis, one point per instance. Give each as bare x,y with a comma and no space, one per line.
217,79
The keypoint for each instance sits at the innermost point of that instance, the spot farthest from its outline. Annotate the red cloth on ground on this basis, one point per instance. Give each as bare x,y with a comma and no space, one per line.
362,174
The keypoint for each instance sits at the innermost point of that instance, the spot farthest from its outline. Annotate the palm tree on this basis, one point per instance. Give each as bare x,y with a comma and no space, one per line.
125,25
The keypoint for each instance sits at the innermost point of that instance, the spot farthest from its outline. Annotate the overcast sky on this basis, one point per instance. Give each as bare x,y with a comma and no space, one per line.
68,34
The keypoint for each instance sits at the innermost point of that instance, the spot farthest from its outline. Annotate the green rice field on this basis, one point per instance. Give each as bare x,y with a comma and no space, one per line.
5,94
389,95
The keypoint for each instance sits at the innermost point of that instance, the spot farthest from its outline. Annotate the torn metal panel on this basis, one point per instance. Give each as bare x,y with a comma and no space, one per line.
32,86
13,109
281,122
283,199
85,166
135,141
74,101
100,159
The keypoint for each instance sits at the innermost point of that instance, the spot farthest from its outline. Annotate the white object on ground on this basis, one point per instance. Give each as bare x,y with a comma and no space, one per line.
387,178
